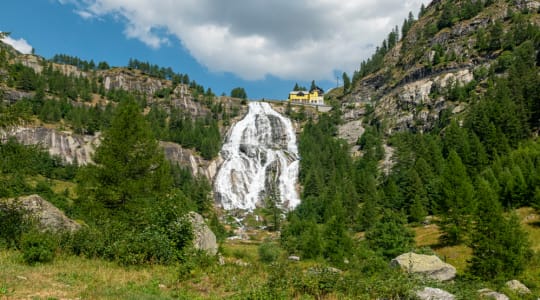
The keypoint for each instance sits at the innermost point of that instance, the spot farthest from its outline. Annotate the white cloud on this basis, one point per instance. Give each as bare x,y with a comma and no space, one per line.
301,39
20,45
84,14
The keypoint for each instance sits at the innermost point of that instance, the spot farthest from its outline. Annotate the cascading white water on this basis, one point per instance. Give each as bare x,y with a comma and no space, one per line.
260,162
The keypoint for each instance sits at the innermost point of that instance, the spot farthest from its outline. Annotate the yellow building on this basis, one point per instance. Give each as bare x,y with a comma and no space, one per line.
315,96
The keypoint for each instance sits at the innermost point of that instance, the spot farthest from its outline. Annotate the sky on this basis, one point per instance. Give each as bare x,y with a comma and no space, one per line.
264,46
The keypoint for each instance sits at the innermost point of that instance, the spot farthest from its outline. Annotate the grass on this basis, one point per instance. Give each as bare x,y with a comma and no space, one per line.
76,277
428,236
71,277
531,223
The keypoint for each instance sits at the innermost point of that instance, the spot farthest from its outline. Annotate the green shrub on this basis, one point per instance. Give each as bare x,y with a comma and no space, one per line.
269,252
148,246
12,225
87,241
38,247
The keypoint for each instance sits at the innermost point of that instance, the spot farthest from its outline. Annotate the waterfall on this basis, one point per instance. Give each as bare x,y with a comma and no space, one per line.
260,162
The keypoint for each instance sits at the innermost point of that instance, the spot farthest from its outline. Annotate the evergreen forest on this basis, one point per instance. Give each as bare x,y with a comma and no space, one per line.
467,189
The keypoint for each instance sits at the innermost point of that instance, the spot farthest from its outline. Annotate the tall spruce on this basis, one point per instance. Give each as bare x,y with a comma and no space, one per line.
457,196
130,165
500,246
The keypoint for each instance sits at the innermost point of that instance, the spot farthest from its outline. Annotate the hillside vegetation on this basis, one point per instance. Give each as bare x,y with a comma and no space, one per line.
454,95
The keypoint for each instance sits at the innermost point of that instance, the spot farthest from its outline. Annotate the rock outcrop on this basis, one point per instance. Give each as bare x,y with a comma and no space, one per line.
518,287
409,89
490,294
70,147
203,238
429,293
132,80
413,105
188,158
46,215
351,131
12,96
73,148
427,265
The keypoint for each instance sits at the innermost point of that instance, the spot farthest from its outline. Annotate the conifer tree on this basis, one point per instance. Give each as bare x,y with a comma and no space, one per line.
346,82
500,247
457,199
130,165
389,236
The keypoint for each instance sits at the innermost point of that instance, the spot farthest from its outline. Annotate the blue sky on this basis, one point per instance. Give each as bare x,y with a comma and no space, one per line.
261,45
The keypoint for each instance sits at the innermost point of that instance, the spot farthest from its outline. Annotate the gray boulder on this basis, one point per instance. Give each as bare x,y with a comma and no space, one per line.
46,215
518,287
427,265
491,294
429,293
294,258
203,238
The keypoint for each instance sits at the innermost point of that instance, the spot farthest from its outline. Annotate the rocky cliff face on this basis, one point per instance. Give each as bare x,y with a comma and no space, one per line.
408,92
132,80
188,158
416,105
80,148
70,147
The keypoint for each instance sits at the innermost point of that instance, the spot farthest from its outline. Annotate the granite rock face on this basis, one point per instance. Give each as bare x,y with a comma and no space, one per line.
68,146
73,148
409,90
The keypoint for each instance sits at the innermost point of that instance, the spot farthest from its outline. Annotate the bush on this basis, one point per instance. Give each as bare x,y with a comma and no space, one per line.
148,246
38,247
87,241
12,225
269,252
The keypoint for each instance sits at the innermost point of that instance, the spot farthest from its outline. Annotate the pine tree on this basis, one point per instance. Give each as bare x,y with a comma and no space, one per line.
500,247
346,82
130,165
457,199
338,244
389,236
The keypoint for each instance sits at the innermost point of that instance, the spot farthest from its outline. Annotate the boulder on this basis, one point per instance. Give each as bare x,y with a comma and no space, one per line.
203,238
428,265
294,258
429,293
47,215
518,287
491,294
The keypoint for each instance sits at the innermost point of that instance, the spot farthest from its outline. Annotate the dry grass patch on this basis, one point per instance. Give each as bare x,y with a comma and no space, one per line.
428,236
530,220
76,277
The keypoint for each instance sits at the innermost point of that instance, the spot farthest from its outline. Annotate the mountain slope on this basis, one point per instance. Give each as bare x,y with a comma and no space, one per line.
453,44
